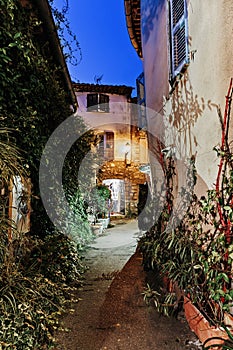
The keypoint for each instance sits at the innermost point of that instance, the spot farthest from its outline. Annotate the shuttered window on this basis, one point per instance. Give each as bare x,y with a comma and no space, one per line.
141,101
179,36
109,145
92,102
103,99
105,146
97,103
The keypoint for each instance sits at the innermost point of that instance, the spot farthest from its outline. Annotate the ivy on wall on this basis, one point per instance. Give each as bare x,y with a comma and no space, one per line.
36,269
33,100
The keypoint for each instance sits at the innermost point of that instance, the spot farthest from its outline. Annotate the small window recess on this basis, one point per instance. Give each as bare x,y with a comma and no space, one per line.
105,146
98,103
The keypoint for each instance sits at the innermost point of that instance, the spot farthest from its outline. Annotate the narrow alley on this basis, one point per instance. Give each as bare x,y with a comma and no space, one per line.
111,313
110,111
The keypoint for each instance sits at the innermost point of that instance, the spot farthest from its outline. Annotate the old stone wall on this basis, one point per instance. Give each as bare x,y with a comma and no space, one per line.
132,178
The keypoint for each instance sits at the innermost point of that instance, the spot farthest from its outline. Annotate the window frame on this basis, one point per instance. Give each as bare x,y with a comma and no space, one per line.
141,101
106,145
100,104
175,28
109,143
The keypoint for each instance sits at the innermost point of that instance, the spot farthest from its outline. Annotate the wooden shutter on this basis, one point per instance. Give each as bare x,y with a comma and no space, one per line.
104,103
92,102
179,36
109,145
141,101
97,103
100,147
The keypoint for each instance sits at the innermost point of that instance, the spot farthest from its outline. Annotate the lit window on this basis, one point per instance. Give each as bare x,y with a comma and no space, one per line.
97,103
179,36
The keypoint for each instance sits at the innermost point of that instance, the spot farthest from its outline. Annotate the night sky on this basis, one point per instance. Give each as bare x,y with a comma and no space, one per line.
100,27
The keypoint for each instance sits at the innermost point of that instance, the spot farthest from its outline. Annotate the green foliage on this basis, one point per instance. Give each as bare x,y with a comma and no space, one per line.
35,288
79,229
198,259
33,98
33,101
164,303
60,263
36,274
77,182
28,312
71,45
98,200
197,255
10,158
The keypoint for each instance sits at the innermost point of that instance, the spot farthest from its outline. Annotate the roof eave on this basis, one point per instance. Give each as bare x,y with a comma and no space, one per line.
135,38
107,89
47,17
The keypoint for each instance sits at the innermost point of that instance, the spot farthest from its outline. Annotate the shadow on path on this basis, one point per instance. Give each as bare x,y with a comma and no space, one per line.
112,314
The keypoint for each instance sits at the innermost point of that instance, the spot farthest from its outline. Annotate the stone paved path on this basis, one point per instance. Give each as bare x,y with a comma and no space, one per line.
112,314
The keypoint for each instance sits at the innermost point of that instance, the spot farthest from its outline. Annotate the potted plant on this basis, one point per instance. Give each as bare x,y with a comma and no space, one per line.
99,207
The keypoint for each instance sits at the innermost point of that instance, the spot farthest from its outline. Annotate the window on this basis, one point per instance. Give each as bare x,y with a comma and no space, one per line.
141,100
106,146
109,145
179,36
97,103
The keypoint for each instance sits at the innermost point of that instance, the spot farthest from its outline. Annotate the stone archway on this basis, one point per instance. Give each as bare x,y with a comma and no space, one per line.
132,178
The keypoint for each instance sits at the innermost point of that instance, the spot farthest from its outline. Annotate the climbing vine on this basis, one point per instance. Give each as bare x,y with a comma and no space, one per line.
71,47
36,268
196,256
33,99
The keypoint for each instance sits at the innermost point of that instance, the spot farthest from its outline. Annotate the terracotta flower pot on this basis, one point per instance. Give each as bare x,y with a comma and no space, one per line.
201,327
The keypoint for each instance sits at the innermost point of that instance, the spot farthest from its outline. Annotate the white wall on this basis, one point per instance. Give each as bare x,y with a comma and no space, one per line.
117,120
188,113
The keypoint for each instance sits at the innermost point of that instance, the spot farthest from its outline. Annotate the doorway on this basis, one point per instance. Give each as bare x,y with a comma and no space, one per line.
117,188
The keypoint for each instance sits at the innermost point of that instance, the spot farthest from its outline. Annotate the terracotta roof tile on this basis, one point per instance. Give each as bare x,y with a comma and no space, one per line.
107,89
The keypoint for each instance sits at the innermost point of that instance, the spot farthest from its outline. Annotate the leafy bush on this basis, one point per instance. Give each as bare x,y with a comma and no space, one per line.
29,307
57,258
99,201
193,258
79,229
37,279
35,274
38,269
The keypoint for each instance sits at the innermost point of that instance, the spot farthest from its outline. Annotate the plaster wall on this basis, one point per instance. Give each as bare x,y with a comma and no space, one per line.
20,204
155,54
118,120
130,145
207,79
187,113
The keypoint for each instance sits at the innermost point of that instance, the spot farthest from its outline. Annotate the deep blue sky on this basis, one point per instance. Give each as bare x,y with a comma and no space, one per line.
101,30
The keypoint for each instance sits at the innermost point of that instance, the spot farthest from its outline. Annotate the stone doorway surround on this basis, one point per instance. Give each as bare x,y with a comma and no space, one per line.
132,178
